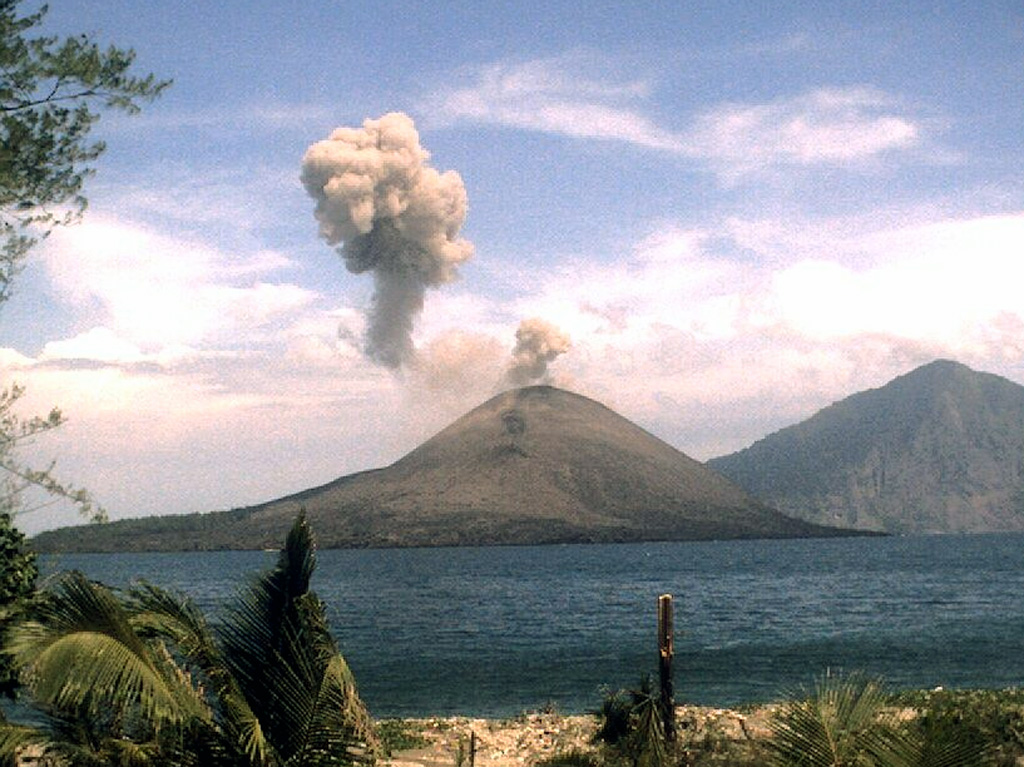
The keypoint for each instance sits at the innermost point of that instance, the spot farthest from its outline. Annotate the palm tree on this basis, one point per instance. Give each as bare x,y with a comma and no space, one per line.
142,678
284,662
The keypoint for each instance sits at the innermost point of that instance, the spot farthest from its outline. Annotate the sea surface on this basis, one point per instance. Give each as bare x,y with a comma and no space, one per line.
498,631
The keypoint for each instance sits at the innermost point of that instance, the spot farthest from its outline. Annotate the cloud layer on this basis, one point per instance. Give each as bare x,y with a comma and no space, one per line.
821,127
707,348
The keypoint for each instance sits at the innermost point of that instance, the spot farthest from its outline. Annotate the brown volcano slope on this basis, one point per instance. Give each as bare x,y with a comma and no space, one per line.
533,465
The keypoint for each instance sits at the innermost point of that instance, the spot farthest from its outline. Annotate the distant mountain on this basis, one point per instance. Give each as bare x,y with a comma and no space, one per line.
533,465
940,449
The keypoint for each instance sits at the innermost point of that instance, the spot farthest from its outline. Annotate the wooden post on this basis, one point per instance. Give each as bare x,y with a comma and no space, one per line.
665,651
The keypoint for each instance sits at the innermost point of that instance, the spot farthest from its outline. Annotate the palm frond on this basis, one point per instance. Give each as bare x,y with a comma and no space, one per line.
160,612
74,604
633,725
844,722
264,612
126,753
247,734
94,672
82,653
952,753
651,749
73,739
278,648
174,617
141,678
947,734
333,722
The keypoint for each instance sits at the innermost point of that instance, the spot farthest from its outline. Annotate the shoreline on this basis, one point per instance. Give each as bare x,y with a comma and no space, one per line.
703,732
530,737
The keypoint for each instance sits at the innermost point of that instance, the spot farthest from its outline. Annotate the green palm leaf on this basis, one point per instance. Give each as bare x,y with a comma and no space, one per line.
845,722
278,648
82,653
91,671
141,678
264,622
175,618
331,718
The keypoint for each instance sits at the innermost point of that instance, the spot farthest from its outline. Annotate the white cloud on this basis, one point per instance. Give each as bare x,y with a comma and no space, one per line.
742,345
98,344
842,127
824,127
709,336
943,283
13,361
672,279
154,290
548,95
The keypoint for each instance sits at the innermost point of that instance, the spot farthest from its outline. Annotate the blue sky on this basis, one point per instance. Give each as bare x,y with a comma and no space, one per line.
734,213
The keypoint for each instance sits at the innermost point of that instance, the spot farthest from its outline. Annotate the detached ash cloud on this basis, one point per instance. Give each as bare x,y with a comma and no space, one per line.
538,343
389,213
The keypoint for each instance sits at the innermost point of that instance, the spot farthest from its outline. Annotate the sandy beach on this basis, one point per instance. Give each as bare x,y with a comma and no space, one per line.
531,737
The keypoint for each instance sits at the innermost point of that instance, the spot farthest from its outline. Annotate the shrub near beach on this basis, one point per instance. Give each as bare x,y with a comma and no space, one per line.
844,720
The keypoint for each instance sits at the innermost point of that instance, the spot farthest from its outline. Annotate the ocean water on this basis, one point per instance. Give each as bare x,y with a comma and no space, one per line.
497,631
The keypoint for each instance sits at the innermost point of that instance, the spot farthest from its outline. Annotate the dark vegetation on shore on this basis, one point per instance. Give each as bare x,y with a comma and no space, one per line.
846,720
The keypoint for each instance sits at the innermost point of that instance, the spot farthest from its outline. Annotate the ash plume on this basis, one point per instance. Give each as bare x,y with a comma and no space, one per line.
538,343
389,213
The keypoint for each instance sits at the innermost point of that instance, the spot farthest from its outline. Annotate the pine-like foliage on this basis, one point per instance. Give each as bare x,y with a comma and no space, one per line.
51,94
